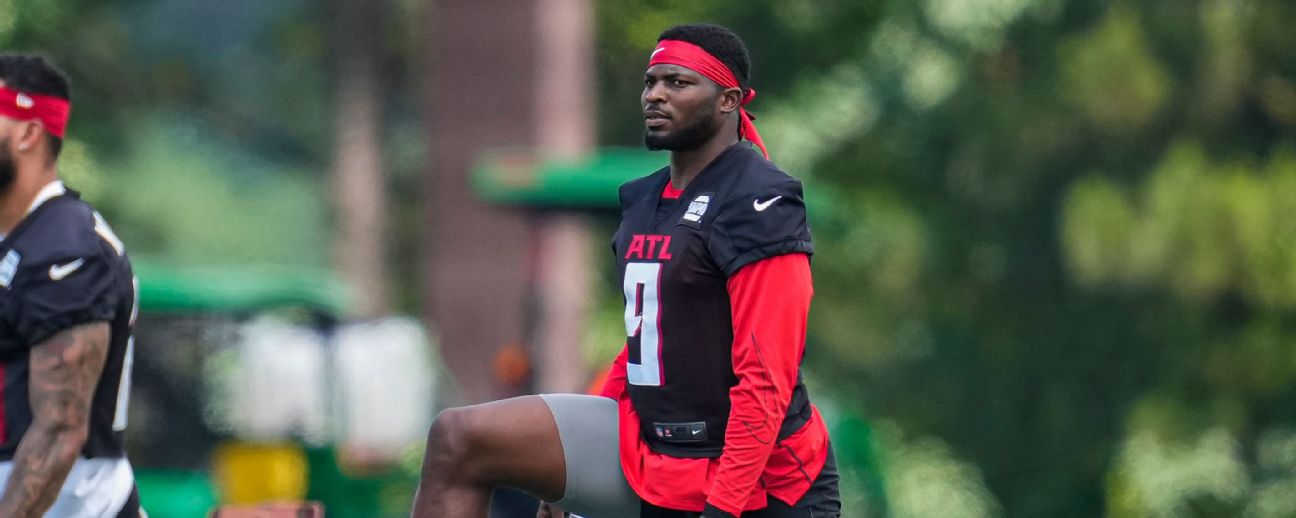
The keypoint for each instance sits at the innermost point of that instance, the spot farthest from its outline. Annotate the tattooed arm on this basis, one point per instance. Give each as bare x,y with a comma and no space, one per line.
64,372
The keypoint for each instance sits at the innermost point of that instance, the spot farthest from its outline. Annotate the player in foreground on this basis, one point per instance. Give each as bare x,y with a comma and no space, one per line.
713,253
67,302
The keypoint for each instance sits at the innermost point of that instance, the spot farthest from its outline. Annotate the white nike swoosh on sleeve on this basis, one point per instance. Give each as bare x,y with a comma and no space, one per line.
760,206
58,272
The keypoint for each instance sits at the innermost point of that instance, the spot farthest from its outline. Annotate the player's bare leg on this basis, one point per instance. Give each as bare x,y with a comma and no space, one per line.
470,450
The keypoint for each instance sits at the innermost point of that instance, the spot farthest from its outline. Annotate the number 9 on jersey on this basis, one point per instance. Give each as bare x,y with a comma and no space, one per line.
642,314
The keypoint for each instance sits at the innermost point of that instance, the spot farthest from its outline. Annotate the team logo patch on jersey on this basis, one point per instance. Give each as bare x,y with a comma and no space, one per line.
697,208
9,268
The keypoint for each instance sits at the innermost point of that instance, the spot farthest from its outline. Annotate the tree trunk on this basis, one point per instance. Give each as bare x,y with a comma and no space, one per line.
481,63
358,182
565,128
506,288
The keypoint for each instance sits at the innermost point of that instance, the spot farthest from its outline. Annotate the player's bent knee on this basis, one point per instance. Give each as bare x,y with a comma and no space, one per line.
494,443
449,441
459,444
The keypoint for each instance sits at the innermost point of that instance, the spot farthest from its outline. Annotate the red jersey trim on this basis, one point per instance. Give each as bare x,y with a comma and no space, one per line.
670,192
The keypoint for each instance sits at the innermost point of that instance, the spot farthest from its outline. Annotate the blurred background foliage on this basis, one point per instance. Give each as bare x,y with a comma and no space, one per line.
1056,239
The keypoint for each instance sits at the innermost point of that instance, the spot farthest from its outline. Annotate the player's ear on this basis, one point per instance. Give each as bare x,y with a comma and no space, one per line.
730,100
29,136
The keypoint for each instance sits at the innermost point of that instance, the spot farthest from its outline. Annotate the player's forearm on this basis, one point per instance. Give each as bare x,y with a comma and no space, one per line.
756,412
757,405
64,371
44,457
770,300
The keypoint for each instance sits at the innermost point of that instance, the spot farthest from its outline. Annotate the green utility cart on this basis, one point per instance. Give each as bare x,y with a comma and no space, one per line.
181,456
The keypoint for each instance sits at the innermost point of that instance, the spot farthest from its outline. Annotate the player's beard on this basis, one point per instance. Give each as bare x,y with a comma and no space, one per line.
688,137
8,170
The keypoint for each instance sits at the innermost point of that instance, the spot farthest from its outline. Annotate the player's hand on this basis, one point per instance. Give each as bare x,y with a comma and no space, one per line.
548,510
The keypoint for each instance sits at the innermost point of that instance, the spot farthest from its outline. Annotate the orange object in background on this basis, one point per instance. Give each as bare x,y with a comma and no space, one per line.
511,365
595,386
284,510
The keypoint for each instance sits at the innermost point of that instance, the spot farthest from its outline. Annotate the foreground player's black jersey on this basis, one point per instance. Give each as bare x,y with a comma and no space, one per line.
674,262
62,267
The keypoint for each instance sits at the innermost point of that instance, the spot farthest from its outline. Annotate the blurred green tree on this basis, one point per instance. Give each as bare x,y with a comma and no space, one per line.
1053,234
211,111
1055,237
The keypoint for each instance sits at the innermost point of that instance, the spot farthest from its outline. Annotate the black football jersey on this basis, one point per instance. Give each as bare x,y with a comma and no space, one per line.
62,266
674,259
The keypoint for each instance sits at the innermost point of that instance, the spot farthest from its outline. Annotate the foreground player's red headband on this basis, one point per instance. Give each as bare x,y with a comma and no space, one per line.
688,55
51,111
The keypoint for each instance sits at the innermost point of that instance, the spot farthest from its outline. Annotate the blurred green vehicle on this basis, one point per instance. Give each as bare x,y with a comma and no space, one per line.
188,458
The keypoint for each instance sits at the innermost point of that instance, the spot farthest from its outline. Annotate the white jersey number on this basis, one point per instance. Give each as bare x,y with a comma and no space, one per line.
642,318
128,364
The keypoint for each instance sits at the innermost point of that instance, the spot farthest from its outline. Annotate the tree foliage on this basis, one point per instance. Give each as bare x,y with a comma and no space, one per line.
1055,241
1055,235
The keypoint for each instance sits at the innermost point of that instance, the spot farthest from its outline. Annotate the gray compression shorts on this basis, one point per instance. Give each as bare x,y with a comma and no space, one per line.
587,428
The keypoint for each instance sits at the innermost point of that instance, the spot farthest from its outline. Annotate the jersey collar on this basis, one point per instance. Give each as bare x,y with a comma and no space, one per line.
53,189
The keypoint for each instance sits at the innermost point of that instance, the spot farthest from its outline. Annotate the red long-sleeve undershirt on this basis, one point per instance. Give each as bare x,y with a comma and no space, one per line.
770,300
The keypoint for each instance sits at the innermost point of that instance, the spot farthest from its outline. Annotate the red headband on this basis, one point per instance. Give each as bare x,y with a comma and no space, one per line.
51,111
688,55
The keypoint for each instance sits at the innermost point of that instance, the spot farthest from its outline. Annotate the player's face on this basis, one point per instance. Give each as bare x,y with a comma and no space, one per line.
681,108
8,170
